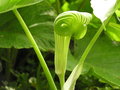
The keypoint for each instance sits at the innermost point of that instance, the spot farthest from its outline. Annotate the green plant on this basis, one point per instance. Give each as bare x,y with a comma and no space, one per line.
37,22
13,5
68,24
63,28
42,61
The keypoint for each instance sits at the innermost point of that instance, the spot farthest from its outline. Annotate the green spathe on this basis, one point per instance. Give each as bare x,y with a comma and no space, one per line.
72,23
67,24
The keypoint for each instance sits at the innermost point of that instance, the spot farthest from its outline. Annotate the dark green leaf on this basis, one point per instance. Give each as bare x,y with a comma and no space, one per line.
104,59
39,19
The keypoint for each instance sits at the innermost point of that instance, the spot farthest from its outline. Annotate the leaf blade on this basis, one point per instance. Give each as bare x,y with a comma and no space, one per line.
7,5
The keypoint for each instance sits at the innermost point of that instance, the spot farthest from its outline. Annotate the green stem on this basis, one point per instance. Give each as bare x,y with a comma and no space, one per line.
58,5
70,83
35,47
62,80
92,42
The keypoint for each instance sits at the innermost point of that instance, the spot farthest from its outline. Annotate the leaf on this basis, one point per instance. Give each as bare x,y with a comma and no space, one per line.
7,5
71,62
39,18
117,13
52,1
103,8
104,58
113,31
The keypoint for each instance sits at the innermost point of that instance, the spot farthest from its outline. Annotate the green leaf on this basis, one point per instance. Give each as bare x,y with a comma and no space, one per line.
117,13
113,31
7,5
104,58
39,18
52,1
71,62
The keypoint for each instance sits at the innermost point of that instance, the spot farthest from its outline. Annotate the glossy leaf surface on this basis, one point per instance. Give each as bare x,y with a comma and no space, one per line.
7,5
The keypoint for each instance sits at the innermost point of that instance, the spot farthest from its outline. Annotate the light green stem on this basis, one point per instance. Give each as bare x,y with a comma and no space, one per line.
70,83
62,79
61,53
92,42
35,47
58,6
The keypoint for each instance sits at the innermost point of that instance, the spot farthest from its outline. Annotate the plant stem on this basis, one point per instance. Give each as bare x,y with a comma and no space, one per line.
58,5
92,42
62,80
70,83
36,49
89,47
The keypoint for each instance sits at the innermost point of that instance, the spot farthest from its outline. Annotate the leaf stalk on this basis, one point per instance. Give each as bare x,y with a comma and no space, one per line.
36,49
70,83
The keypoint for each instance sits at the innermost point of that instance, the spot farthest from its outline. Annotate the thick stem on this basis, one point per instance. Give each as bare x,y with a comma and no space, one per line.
61,53
36,49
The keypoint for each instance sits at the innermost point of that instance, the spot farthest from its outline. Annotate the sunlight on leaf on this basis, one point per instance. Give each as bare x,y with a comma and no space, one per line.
102,9
117,13
7,5
113,31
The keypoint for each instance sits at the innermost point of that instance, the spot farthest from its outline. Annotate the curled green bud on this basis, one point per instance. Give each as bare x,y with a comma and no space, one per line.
67,24
72,23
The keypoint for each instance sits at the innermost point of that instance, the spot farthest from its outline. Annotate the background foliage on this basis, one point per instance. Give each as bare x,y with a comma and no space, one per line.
19,67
